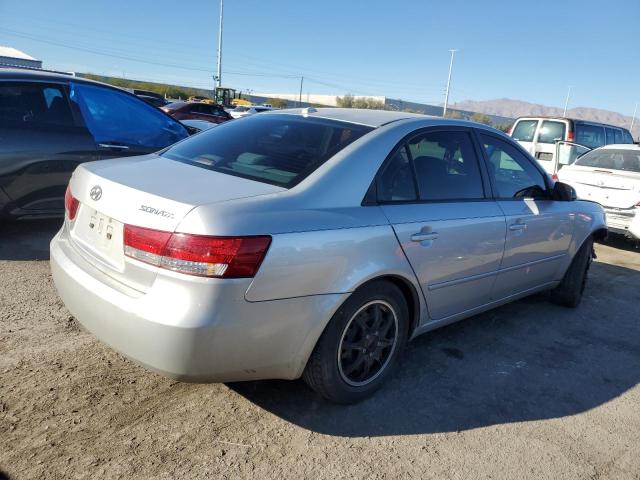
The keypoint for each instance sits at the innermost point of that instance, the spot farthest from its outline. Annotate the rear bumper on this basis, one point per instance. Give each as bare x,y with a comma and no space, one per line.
624,221
193,329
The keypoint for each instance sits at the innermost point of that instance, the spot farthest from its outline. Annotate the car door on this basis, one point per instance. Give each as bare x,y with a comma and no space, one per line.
436,196
539,230
549,132
121,123
42,142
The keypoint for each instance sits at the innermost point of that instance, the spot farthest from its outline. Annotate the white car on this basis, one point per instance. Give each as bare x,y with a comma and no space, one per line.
243,111
610,176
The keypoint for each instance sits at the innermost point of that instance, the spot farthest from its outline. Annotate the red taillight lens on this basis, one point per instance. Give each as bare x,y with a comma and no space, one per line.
570,137
554,177
71,204
222,257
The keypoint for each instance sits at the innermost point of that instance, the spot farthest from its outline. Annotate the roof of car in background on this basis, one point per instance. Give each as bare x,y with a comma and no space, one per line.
619,146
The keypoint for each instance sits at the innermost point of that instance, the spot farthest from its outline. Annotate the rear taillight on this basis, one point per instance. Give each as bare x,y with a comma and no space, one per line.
570,137
554,177
222,257
71,204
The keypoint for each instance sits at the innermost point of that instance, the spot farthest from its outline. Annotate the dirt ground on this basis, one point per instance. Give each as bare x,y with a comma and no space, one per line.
529,390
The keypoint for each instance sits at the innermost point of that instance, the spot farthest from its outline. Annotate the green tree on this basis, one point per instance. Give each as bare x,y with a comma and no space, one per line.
455,114
277,102
346,101
481,118
505,127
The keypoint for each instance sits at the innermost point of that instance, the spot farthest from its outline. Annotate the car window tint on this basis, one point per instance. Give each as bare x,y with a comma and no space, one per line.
627,137
513,174
113,116
277,149
610,135
396,183
591,136
551,131
525,130
34,105
446,166
619,138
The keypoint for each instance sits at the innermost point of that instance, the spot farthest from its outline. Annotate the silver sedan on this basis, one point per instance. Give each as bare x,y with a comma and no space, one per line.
313,243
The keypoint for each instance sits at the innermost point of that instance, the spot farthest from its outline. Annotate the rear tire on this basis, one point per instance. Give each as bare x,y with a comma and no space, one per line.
359,347
569,292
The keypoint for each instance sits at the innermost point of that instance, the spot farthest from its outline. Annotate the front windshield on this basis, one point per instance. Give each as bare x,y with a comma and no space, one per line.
278,149
612,159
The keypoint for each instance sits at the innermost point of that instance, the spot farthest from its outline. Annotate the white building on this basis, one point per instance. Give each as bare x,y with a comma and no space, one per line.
330,100
10,57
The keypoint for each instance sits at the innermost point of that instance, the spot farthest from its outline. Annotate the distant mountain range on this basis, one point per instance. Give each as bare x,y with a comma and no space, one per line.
506,107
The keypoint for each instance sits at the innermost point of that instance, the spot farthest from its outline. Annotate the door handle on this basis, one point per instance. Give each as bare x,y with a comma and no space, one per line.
515,227
113,146
421,237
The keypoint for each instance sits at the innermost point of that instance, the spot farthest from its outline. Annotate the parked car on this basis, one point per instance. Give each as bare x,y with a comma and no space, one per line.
198,125
155,101
610,176
243,111
197,111
198,98
50,123
538,135
313,243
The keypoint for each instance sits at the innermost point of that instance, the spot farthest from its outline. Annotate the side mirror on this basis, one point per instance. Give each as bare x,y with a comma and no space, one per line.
563,192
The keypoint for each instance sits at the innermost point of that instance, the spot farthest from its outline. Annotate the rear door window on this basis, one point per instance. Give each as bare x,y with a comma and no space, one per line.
32,104
525,130
626,136
277,149
116,117
446,166
591,136
551,131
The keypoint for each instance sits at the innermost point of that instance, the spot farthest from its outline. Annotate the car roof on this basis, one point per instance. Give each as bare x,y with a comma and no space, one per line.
620,146
362,116
571,119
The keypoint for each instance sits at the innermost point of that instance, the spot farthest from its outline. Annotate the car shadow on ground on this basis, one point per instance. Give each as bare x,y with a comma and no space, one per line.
528,360
620,242
27,239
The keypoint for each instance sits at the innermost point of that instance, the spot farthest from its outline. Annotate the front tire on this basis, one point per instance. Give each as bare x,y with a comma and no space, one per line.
569,292
359,347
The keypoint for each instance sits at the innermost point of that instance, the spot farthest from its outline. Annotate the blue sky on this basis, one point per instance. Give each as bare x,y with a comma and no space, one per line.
523,50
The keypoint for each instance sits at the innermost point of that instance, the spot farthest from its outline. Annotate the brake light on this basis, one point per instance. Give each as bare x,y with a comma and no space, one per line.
570,136
71,204
205,256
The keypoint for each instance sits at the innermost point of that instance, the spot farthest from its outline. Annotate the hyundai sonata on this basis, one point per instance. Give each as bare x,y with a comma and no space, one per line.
313,243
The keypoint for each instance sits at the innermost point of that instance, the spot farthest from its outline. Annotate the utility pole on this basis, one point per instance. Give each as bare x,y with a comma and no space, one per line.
566,102
446,96
633,119
300,95
218,77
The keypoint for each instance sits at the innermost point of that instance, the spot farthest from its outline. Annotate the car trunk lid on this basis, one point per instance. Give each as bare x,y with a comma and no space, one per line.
610,188
151,192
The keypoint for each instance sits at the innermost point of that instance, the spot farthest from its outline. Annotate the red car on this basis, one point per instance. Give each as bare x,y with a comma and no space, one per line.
197,111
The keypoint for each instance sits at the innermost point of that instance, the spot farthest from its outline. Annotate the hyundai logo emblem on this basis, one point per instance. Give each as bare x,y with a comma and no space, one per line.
96,193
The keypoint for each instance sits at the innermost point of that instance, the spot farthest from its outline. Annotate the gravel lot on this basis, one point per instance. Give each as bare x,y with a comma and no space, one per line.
530,390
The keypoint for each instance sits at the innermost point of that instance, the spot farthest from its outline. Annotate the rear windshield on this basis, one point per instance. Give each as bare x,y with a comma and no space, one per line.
277,149
524,130
551,131
610,159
